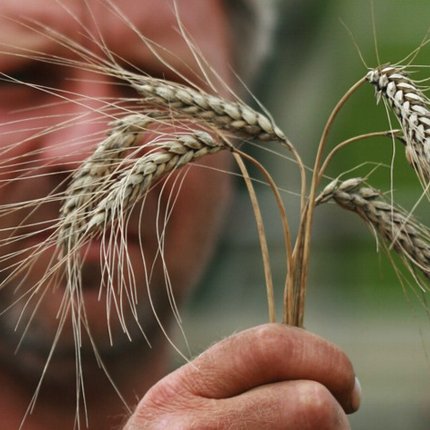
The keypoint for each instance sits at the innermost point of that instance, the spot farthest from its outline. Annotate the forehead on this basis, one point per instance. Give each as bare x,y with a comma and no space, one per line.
122,25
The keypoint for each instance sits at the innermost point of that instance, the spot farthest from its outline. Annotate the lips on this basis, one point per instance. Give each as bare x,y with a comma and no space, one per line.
30,253
53,297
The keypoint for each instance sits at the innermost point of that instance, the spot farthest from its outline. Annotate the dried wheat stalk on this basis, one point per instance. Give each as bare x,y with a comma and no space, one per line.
401,232
411,107
93,189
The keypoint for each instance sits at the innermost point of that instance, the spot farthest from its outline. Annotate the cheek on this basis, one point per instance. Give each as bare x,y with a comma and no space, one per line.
197,215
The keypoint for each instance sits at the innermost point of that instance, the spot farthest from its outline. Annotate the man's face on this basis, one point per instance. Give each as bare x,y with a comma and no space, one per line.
47,133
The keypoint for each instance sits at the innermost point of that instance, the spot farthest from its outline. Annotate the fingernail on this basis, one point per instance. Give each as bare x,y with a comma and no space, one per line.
356,395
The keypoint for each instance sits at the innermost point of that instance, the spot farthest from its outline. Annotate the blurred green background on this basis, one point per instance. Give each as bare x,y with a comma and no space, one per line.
354,297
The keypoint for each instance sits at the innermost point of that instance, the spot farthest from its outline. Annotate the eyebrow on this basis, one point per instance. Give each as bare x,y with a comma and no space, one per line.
14,57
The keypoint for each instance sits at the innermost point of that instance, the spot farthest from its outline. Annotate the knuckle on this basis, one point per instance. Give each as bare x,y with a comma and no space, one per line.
269,338
318,407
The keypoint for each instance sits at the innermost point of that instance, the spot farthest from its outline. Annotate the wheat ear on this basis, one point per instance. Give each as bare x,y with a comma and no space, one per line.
94,173
393,224
411,107
124,133
165,156
228,115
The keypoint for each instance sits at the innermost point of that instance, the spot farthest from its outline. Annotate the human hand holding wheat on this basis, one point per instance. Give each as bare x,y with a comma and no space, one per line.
267,377
128,227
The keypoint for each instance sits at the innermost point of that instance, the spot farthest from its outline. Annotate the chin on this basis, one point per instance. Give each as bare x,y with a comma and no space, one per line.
50,324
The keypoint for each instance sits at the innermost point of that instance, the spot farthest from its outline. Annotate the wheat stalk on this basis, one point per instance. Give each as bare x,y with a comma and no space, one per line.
172,101
411,107
102,191
393,224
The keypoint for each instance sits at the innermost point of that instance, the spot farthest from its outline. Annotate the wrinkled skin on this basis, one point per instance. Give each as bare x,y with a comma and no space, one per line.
267,377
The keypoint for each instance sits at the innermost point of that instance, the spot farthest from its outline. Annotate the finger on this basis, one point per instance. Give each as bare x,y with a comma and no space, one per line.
267,354
293,405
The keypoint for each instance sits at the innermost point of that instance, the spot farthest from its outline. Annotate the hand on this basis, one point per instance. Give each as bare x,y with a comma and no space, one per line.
268,377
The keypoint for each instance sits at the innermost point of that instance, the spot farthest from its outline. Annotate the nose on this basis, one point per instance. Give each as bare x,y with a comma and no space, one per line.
80,120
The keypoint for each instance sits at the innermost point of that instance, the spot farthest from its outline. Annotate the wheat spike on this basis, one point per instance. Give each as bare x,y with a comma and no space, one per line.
92,181
86,179
411,107
164,157
409,238
135,181
93,175
228,115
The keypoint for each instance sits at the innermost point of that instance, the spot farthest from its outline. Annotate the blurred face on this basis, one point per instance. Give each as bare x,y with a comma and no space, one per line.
47,133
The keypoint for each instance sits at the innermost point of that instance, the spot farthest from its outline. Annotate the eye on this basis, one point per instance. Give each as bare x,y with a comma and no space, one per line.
30,74
28,84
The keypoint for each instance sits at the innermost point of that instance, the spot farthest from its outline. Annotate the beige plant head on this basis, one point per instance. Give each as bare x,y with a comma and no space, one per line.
412,109
392,224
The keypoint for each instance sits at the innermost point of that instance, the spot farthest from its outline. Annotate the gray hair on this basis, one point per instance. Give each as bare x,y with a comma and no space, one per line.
252,24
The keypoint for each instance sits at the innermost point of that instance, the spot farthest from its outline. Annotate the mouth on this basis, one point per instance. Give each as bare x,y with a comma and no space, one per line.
101,278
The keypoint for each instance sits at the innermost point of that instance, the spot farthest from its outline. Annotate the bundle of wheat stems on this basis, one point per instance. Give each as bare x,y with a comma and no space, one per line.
106,186
124,166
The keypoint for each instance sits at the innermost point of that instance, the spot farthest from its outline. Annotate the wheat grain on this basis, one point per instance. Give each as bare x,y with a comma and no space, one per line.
398,229
411,107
